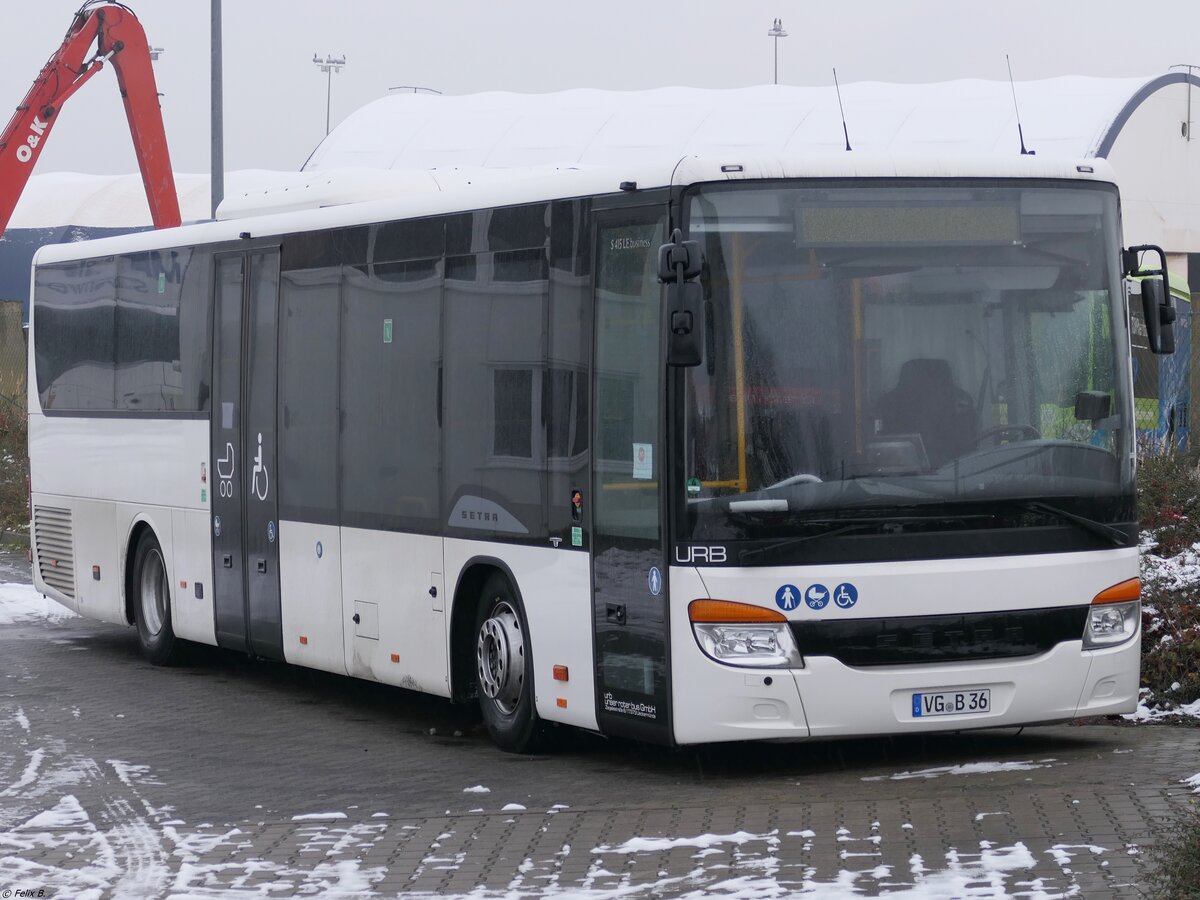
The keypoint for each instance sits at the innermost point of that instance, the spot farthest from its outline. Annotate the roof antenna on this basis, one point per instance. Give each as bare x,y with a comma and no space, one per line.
838,88
1013,88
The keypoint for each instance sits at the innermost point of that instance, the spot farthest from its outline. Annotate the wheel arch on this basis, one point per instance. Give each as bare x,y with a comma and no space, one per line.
471,579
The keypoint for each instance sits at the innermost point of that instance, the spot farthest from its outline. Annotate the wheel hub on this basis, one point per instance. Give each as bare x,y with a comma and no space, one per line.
153,592
500,657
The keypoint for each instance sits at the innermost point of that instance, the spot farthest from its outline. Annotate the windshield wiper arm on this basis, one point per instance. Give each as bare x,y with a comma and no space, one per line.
1113,535
885,524
749,556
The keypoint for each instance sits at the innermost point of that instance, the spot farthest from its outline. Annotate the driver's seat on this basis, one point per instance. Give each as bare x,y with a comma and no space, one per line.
926,401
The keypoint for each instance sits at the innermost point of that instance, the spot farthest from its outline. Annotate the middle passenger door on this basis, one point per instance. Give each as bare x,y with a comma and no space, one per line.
393,597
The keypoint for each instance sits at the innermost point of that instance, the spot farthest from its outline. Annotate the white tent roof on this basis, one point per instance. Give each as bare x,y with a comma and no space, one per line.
1062,117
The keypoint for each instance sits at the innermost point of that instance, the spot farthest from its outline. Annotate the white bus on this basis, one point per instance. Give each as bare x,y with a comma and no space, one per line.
862,465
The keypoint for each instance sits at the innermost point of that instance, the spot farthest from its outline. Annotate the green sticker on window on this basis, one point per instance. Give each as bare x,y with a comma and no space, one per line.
387,331
693,485
576,536
162,282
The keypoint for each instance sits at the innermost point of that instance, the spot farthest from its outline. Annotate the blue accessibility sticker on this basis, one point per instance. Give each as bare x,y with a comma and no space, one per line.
817,596
655,581
845,595
787,597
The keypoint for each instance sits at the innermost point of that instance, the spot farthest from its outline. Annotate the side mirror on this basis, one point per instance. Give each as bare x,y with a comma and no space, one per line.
1158,306
685,323
1158,309
679,263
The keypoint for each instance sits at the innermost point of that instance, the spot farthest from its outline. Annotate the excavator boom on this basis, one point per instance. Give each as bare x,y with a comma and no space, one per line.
118,39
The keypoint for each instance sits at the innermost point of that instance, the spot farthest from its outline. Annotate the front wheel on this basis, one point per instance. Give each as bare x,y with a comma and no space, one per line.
152,603
504,669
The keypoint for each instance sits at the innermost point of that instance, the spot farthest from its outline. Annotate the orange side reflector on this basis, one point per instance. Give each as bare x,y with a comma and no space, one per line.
562,702
1121,593
560,673
728,611
304,638
395,657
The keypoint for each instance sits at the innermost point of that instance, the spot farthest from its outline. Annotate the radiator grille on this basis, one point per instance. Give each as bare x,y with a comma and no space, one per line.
55,548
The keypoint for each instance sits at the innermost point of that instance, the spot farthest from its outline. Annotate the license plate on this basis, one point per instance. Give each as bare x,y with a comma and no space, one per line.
951,703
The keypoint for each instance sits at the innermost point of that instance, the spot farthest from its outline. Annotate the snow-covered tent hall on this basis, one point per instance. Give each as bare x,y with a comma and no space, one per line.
405,144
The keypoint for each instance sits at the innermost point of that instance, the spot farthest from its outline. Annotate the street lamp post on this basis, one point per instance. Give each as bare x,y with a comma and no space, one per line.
777,32
328,65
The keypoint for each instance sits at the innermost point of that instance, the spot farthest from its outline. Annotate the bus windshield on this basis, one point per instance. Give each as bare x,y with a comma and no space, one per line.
872,351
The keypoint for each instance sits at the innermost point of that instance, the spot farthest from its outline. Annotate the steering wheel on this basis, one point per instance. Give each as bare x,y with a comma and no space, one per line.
802,478
1016,428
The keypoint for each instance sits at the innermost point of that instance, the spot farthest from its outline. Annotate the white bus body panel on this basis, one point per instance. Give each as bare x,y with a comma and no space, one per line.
386,577
310,591
555,586
716,702
158,467
191,559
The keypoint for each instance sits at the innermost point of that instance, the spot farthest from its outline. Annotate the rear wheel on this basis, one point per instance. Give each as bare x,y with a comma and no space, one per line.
504,669
152,603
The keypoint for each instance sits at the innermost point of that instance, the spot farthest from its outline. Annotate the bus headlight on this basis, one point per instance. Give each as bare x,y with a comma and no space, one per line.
740,634
1114,615
1111,623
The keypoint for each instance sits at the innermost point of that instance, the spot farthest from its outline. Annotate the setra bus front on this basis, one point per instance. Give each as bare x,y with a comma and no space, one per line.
902,495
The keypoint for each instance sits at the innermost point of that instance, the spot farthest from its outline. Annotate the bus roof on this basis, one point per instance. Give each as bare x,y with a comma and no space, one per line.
332,199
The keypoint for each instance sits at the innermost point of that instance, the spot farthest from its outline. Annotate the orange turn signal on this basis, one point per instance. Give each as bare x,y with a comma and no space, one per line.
561,673
1121,593
728,611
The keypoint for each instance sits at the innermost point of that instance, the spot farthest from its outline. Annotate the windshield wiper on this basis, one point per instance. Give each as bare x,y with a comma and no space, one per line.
884,524
1113,535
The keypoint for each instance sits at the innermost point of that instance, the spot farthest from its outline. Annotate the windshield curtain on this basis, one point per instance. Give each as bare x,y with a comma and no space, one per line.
889,346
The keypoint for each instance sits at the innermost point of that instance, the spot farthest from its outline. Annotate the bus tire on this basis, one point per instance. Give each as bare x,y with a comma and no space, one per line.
152,603
504,669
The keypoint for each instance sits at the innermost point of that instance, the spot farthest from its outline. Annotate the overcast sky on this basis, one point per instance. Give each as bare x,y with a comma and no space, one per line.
275,96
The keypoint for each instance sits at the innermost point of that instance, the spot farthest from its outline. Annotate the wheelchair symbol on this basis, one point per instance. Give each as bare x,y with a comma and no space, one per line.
260,471
845,595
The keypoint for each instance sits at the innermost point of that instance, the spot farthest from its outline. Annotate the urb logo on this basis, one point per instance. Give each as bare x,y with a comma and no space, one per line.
700,555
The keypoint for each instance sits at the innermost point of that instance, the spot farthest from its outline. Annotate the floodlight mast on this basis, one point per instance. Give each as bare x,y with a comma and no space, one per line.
777,32
328,65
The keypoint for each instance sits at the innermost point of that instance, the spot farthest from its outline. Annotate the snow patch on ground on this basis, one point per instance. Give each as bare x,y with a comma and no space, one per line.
21,603
477,789
1193,783
979,768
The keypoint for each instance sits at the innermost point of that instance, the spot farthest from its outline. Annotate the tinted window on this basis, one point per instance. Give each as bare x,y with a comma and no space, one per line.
568,360
391,329
417,239
308,394
516,227
149,375
74,329
195,322
495,449
320,249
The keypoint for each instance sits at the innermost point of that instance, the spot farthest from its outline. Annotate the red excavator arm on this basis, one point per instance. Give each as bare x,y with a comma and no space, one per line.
119,39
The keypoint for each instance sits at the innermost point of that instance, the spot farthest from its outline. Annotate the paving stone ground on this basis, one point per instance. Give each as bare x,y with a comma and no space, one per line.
232,778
